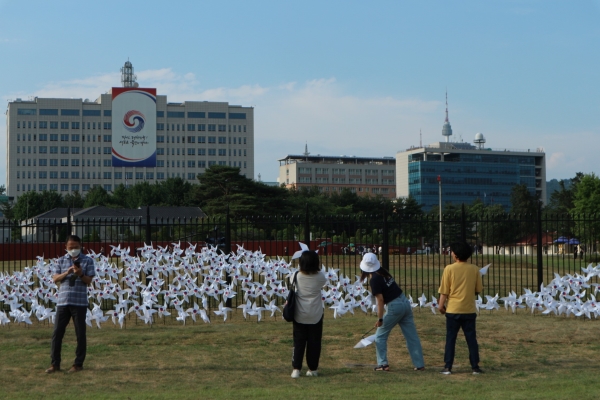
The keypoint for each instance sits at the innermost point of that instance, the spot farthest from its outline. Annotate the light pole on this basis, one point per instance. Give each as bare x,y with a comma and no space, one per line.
439,179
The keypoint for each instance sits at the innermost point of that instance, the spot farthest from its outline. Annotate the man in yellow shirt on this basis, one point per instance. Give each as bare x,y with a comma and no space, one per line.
461,283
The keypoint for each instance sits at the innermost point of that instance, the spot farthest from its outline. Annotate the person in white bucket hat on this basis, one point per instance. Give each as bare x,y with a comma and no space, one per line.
399,312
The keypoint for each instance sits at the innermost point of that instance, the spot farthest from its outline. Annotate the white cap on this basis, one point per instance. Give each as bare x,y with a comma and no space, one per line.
370,263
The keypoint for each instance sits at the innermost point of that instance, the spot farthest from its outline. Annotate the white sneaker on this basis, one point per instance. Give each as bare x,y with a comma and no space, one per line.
312,373
296,373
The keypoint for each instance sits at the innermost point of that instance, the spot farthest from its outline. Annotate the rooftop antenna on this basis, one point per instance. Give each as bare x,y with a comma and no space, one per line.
447,129
420,138
128,78
306,153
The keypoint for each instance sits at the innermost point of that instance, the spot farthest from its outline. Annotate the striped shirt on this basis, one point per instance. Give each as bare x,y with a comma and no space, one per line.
73,295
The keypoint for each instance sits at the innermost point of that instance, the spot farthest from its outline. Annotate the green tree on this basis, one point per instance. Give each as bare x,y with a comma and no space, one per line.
98,196
73,200
586,208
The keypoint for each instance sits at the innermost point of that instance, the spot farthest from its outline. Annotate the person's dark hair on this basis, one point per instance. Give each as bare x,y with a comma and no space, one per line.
309,262
380,271
461,250
73,238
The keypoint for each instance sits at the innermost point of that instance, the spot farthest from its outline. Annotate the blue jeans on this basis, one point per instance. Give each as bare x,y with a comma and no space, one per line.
454,323
399,312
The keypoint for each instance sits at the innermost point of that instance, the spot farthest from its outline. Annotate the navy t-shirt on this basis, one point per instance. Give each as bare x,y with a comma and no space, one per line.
385,286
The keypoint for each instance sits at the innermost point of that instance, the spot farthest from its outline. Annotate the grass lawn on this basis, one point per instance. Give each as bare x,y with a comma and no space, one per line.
524,357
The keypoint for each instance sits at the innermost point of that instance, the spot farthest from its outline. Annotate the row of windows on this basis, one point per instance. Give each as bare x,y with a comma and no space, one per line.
342,171
108,113
354,190
107,150
117,175
108,125
65,162
64,137
201,139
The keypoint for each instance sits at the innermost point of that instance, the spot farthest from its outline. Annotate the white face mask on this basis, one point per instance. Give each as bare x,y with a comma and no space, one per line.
74,252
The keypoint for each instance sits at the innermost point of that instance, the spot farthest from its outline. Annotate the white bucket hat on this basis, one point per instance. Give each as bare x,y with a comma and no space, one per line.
370,263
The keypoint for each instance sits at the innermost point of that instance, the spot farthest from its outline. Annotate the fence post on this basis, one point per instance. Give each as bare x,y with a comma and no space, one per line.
463,224
540,264
307,228
68,221
148,232
227,249
385,253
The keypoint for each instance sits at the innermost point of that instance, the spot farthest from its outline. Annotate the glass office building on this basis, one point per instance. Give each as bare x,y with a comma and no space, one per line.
468,173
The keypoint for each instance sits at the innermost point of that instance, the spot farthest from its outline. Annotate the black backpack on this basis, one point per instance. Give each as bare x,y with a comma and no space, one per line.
288,309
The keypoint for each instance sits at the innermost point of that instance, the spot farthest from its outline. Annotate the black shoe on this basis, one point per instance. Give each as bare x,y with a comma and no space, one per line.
446,371
477,371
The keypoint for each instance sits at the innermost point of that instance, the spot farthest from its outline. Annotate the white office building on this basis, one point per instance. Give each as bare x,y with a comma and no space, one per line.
67,145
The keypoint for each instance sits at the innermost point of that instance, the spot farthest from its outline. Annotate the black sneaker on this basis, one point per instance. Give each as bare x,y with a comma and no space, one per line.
446,371
477,371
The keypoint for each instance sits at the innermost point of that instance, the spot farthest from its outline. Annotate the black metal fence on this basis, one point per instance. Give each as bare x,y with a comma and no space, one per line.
524,250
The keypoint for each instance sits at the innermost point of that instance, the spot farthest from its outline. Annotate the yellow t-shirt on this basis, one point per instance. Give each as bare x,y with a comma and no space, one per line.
460,281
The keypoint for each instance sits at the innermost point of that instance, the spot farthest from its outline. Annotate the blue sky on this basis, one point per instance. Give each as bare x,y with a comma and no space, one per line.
348,77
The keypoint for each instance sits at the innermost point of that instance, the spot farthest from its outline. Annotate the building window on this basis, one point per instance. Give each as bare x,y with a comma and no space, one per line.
160,114
160,127
222,140
49,111
64,174
175,114
201,152
191,139
160,175
74,150
53,124
222,152
107,175
201,127
217,115
91,113
108,188
160,163
160,151
107,138
107,150
64,137
237,115
149,175
107,125
72,113
212,152
191,164
212,139
160,139
108,113
74,163
191,127
43,124
211,163
222,128
64,187
64,125
64,150
108,163
192,114
75,125
191,152
212,127
118,175
74,175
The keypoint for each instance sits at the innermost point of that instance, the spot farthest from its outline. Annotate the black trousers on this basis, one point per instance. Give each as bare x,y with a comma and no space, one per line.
307,336
454,322
61,320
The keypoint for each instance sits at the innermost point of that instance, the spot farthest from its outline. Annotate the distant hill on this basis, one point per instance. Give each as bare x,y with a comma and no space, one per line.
553,185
